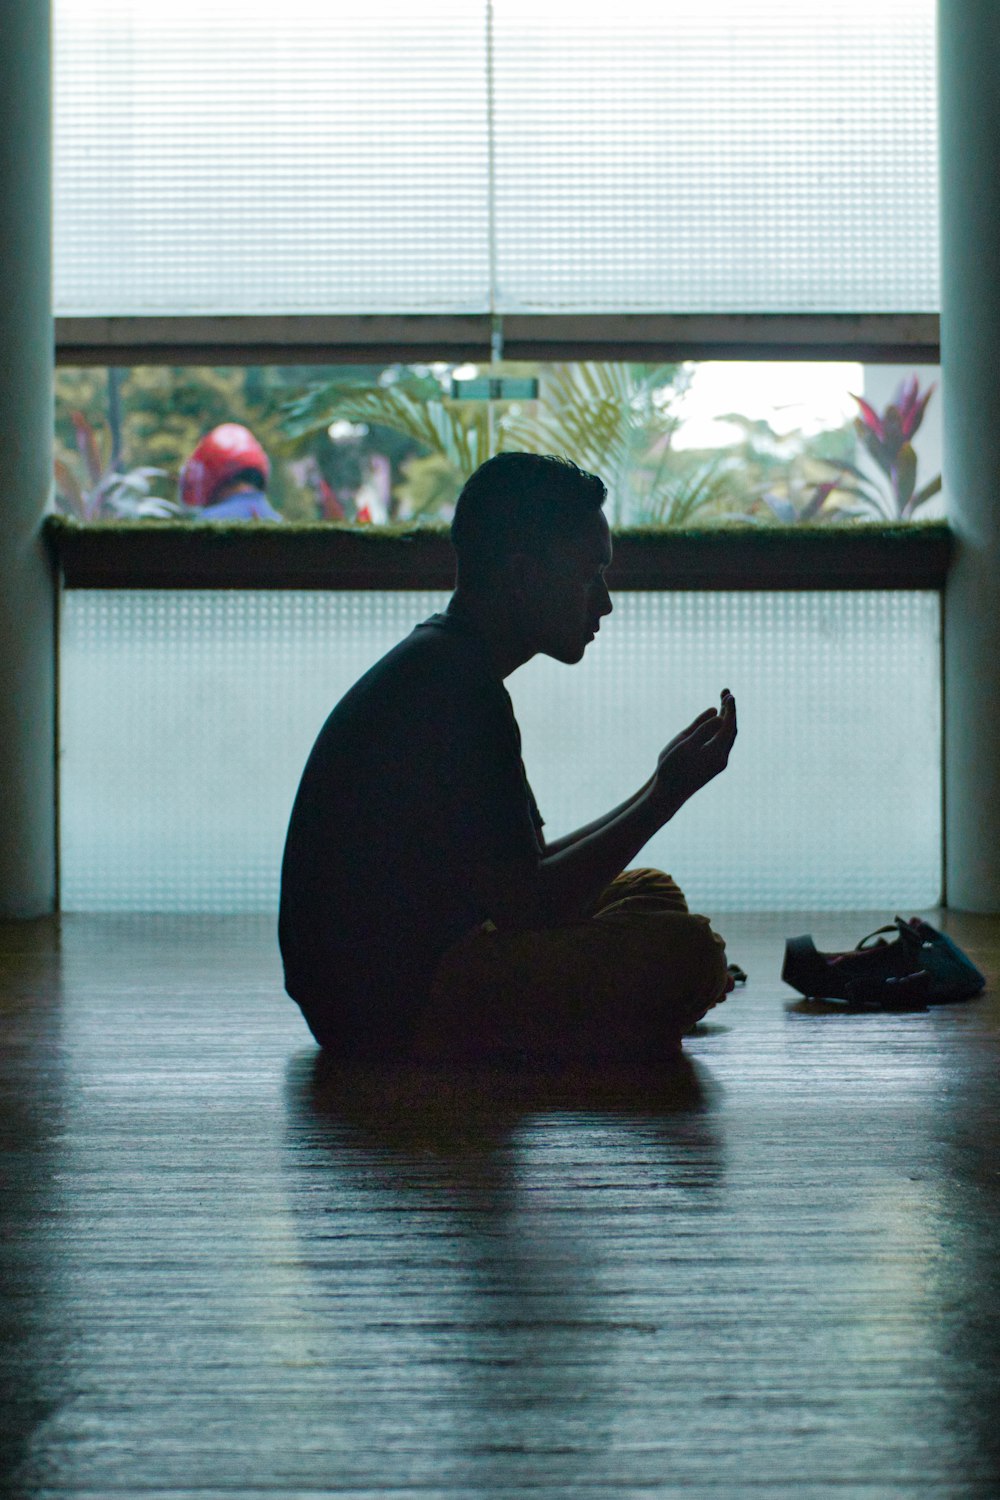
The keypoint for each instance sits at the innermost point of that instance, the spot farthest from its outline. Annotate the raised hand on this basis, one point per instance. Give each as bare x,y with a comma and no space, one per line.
694,756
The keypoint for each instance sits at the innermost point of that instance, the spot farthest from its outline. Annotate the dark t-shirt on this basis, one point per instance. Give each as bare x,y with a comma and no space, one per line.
415,779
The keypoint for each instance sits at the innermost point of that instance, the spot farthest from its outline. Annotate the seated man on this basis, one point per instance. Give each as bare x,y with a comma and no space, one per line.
423,913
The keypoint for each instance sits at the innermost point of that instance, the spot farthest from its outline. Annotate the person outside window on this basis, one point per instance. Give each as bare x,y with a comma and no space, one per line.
424,915
225,479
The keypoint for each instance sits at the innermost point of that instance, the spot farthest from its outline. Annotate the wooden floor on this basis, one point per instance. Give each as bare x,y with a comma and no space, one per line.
773,1272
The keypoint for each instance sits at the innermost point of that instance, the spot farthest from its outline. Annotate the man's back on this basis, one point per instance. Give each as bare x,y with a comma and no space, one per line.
414,781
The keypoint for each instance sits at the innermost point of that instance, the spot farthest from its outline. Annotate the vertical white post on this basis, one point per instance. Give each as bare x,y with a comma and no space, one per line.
27,666
969,92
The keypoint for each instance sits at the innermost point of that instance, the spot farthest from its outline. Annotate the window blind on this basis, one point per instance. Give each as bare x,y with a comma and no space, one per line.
716,156
685,156
256,158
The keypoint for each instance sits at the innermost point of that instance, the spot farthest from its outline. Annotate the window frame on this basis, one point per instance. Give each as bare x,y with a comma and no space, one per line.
325,555
887,338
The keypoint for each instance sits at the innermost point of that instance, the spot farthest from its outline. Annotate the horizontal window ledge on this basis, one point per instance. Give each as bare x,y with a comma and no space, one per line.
177,555
348,339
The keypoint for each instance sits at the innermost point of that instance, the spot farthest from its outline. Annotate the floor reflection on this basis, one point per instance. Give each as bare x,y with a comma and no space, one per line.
964,1208
32,1120
489,1241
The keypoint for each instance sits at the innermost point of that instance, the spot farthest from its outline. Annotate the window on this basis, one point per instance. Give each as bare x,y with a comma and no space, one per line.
678,444
349,208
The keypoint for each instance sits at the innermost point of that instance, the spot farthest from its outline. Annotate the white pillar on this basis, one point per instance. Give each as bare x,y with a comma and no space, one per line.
27,666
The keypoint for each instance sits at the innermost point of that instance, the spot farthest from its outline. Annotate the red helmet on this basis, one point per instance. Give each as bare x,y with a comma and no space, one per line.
222,454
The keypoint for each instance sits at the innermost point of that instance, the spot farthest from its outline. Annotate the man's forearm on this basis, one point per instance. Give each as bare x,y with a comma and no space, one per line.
565,883
558,846
572,875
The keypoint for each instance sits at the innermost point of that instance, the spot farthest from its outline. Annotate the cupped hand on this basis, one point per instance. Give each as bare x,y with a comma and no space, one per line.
695,756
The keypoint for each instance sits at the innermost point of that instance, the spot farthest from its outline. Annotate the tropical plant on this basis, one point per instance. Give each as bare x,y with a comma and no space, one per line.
430,486
886,438
769,476
91,486
411,405
674,493
613,418
802,507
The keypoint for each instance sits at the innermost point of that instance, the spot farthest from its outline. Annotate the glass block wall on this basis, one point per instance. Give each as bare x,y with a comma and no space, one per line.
186,717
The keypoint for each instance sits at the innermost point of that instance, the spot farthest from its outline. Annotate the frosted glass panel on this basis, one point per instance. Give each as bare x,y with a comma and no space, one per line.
246,157
186,719
706,155
716,156
832,798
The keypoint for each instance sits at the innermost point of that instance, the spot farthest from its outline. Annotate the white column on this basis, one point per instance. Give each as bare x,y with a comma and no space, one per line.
27,666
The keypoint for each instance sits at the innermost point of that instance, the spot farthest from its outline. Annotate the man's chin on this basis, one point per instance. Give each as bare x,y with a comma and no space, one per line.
569,655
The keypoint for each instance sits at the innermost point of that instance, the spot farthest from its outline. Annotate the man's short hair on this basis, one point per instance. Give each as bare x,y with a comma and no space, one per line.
520,502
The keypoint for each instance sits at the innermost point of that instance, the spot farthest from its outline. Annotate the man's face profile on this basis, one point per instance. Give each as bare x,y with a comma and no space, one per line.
564,593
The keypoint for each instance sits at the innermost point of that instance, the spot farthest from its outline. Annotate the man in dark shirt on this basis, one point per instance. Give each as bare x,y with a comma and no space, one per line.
422,911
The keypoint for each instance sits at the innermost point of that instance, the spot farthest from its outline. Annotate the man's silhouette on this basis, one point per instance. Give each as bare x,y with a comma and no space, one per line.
423,913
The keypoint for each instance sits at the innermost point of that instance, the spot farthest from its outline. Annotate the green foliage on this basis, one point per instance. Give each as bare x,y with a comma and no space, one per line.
161,411
613,418
784,478
687,493
430,486
447,440
90,484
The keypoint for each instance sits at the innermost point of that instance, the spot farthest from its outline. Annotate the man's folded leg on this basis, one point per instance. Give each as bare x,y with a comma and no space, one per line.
620,987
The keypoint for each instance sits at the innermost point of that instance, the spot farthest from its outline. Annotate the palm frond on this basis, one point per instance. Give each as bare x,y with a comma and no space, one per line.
683,498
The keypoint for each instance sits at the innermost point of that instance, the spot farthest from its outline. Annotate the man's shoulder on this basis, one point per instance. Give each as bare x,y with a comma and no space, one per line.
434,667
434,652
437,639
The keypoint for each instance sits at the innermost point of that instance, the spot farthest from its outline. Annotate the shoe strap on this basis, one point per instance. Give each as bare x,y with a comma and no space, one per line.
903,929
877,933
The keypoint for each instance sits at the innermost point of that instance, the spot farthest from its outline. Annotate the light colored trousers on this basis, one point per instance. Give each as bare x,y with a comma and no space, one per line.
621,986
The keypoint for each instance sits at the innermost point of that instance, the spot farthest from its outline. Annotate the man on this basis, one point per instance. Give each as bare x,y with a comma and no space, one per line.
423,914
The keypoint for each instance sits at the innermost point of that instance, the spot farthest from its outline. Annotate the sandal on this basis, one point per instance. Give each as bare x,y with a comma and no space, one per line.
921,967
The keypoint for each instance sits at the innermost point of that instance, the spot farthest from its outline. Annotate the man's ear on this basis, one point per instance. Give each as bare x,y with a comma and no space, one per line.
525,574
